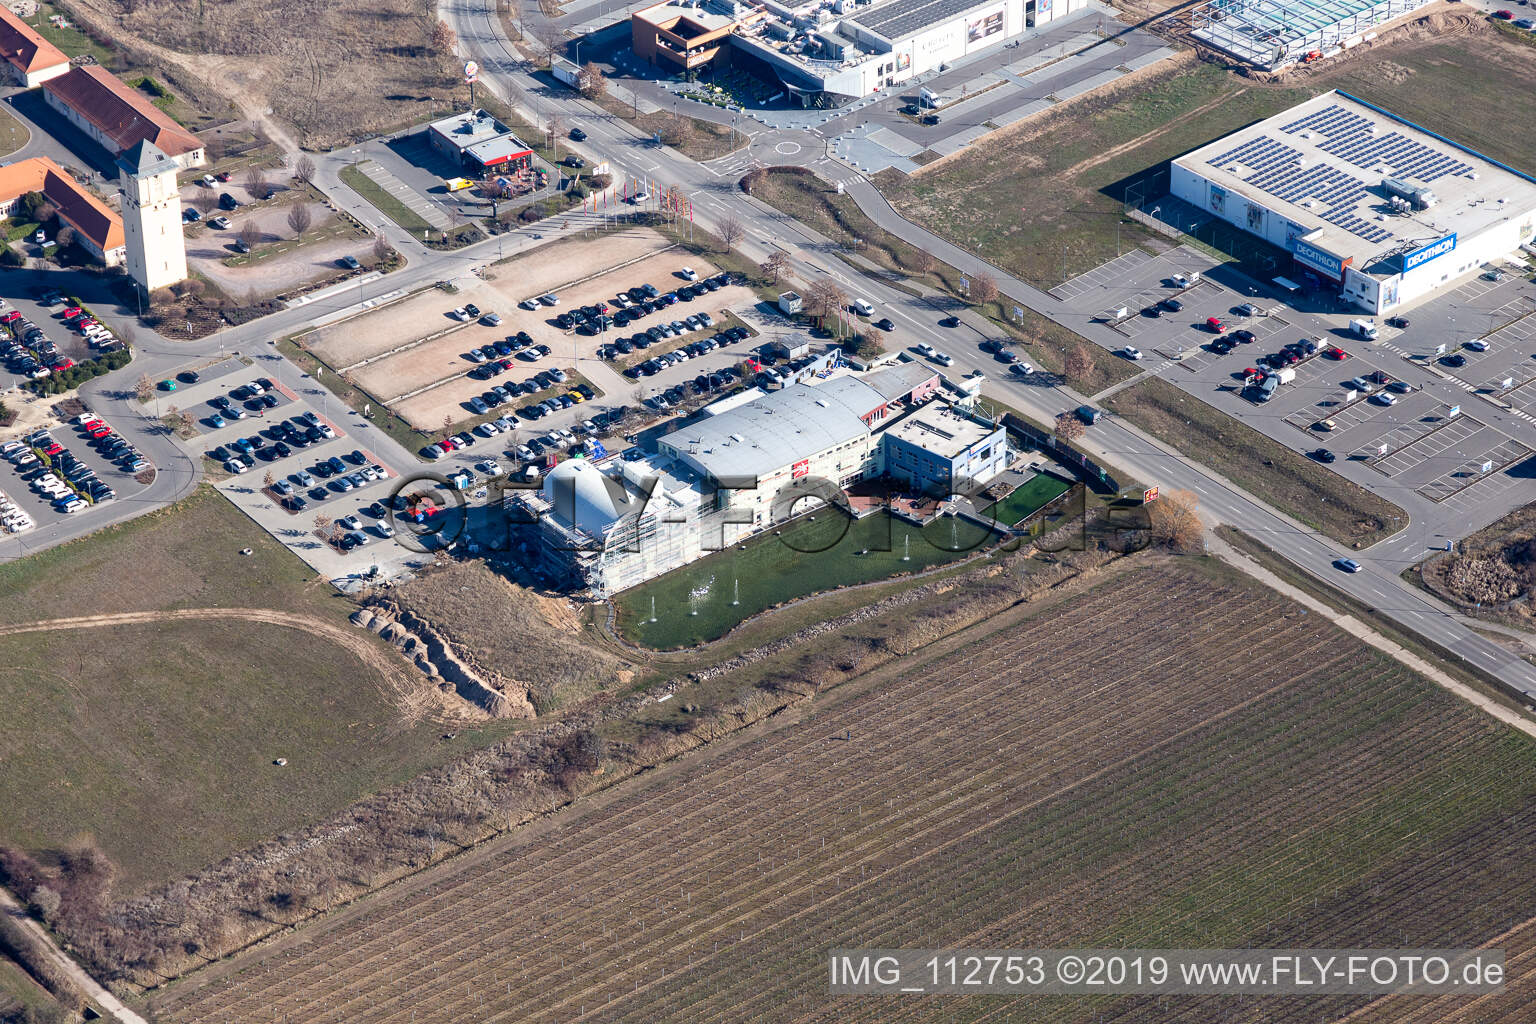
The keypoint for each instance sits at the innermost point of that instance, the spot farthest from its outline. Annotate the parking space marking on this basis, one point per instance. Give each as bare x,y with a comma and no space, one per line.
1102,276
1470,473
1415,451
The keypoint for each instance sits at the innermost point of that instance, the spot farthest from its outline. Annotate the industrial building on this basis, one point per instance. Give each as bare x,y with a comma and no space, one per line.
1274,33
827,52
617,522
479,144
1370,206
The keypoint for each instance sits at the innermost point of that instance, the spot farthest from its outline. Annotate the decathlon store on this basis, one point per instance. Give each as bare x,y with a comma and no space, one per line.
1373,207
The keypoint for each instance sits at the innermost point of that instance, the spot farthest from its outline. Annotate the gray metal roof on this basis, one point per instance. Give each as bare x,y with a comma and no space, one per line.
902,18
146,158
765,436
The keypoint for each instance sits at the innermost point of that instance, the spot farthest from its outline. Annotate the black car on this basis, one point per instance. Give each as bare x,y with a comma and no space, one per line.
188,377
1454,359
1324,455
1172,305
578,135
931,119
1245,337
1152,312
228,202
884,325
1399,322
575,161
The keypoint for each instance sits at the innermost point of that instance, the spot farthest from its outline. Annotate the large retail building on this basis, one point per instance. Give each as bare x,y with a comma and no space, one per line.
1370,205
825,52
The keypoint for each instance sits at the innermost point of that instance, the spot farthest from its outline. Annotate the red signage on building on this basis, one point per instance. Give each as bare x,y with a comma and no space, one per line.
1149,495
802,467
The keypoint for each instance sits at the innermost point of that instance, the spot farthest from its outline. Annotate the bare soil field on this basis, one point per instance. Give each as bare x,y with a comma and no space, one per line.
1076,161
385,329
554,266
1033,786
333,72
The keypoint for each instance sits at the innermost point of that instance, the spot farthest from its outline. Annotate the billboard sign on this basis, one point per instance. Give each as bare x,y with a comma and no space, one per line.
801,468
1149,495
471,71
987,25
1433,250
1317,259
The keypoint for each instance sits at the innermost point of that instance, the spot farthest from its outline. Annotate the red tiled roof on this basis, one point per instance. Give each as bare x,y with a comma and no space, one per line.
24,48
87,214
119,111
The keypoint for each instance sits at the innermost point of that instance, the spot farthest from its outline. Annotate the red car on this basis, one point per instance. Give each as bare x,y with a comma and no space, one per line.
1337,353
99,431
63,364
1504,15
70,312
1213,324
11,317
53,448
84,324
222,176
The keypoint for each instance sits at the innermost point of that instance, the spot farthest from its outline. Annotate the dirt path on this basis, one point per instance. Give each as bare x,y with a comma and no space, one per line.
87,984
1366,634
414,700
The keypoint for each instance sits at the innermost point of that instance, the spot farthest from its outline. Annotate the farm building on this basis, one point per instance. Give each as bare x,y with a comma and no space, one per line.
33,59
828,52
1370,206
612,524
479,144
118,116
1273,33
98,230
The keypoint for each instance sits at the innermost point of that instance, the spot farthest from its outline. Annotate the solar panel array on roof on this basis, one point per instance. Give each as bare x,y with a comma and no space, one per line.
1275,168
1352,138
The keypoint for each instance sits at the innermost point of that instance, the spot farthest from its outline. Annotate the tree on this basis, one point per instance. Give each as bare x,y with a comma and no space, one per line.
381,248
44,902
269,479
924,262
203,203
256,183
304,168
591,81
323,523
1068,426
447,426
983,288
775,265
144,388
1176,522
46,212
250,234
66,236
677,130
1078,364
299,219
825,298
730,229
443,39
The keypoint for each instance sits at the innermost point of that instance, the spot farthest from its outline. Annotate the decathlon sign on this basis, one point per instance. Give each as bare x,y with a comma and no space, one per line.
1433,250
1317,259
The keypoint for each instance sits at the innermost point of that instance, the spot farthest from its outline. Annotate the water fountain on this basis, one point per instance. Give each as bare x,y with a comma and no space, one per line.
906,547
653,607
735,592
698,594
954,534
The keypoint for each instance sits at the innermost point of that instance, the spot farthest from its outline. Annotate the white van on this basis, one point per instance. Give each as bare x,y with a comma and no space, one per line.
863,308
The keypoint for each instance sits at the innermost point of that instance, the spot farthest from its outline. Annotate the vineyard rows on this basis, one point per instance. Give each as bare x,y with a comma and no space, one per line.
1053,785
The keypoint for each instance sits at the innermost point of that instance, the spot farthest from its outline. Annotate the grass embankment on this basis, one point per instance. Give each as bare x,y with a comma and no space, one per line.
1302,489
158,738
820,207
693,137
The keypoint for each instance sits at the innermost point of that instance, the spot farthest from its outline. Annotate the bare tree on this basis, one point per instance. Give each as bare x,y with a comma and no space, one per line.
1078,364
304,168
825,298
677,130
443,40
775,265
250,234
591,81
144,388
203,203
381,248
447,426
269,479
256,183
1176,521
730,229
1068,426
66,236
924,262
299,219
983,288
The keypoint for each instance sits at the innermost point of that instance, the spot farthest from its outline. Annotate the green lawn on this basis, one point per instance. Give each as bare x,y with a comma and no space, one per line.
385,203
1028,498
695,603
158,739
72,41
13,134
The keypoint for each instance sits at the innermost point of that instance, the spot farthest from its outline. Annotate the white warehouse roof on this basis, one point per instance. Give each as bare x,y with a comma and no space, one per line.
763,437
1321,165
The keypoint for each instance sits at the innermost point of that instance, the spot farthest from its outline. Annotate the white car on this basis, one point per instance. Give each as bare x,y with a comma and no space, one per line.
943,359
1478,345
490,467
529,304
1131,352
689,274
1384,398
1022,369
486,430
460,313
640,197
922,348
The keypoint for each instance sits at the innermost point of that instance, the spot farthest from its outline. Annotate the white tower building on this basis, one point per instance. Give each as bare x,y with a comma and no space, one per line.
151,209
